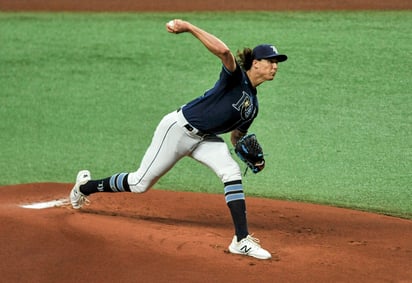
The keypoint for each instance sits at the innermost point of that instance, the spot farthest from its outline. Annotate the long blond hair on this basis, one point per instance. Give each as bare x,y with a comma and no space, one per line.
245,58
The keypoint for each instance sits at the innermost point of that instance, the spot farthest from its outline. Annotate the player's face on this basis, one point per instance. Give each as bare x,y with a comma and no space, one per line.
267,68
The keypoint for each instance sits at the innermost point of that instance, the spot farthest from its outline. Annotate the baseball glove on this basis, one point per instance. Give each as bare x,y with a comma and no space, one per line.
249,151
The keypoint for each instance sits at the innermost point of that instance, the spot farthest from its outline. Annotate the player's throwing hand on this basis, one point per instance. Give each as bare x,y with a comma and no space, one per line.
177,26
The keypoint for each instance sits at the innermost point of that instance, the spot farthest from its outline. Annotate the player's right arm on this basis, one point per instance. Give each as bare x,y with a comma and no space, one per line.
211,42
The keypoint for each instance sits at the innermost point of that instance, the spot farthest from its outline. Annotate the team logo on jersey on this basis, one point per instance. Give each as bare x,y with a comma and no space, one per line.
245,106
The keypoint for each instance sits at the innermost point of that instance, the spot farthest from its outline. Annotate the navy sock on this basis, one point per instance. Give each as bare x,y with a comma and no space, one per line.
235,200
115,183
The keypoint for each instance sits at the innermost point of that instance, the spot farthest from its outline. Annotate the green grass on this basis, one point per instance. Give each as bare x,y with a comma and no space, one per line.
87,90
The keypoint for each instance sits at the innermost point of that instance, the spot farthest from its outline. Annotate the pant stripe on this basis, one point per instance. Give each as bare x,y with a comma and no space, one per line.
154,158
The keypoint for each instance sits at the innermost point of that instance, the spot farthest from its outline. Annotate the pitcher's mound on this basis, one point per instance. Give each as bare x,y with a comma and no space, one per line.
164,236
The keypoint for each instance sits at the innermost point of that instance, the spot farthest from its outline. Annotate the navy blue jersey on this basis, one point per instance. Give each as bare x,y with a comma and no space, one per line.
231,104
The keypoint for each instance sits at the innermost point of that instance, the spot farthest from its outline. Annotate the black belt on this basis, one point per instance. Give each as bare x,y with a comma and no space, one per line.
199,133
190,128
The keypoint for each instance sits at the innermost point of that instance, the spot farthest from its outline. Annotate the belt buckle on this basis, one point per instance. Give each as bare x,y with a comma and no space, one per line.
197,132
189,128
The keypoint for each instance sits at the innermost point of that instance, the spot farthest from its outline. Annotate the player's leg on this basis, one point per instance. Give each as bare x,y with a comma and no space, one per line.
216,155
169,144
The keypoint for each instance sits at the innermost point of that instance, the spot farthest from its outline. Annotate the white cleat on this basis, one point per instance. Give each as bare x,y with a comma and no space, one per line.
248,246
77,198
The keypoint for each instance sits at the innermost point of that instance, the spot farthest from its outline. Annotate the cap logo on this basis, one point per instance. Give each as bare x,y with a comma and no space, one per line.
274,49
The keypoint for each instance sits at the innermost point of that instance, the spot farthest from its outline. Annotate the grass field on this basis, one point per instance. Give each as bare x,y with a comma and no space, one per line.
87,91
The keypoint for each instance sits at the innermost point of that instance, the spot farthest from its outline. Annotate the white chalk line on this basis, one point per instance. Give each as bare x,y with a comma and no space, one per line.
47,204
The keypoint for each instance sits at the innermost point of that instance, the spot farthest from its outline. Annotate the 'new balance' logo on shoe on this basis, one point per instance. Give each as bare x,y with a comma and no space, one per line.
245,249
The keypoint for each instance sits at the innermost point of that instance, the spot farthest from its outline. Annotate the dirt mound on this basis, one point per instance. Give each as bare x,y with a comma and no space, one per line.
164,236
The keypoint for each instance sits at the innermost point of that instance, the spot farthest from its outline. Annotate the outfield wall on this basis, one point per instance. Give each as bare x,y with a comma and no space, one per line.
201,5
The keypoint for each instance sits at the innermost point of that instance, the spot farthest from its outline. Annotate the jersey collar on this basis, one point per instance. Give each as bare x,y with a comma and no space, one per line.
246,81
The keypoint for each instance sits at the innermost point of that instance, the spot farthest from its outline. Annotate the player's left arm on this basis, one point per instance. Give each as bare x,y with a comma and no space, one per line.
211,42
236,135
240,132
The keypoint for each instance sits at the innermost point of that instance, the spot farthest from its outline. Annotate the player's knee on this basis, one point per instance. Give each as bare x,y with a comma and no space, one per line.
137,184
138,189
230,173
